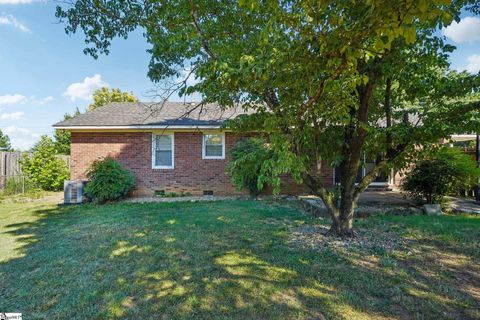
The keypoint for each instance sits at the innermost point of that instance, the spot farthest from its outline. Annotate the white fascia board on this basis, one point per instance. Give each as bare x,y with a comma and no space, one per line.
147,127
463,137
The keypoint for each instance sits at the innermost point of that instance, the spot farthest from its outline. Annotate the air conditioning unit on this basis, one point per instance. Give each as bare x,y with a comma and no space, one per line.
73,191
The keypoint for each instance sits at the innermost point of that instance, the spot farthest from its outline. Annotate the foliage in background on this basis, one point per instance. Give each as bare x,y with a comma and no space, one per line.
63,137
43,168
101,97
19,184
248,155
105,96
5,142
468,171
108,181
448,171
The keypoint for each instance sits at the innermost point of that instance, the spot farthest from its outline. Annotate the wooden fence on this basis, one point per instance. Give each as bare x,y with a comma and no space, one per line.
10,166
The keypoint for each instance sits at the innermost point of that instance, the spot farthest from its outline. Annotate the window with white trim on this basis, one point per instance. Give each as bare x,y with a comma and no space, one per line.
213,146
162,151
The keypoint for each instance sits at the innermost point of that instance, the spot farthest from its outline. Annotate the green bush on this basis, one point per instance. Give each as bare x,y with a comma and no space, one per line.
16,185
248,155
43,168
447,171
108,181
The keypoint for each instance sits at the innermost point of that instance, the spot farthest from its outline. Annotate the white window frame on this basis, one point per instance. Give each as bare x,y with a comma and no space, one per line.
204,156
154,138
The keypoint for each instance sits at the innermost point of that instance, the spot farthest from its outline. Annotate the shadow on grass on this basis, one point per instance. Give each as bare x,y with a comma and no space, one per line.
213,260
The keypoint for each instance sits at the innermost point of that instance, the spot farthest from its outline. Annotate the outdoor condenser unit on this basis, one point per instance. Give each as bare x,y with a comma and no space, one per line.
73,191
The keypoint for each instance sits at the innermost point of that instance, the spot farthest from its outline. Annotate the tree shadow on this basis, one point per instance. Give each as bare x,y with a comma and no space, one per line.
205,260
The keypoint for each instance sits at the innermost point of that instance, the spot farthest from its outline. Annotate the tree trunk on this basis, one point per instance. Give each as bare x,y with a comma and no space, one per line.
352,151
388,116
342,226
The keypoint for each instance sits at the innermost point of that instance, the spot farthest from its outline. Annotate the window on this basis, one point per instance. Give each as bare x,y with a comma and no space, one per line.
162,151
213,146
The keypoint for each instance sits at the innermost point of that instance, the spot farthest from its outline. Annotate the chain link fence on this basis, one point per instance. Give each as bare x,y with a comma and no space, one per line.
12,179
14,184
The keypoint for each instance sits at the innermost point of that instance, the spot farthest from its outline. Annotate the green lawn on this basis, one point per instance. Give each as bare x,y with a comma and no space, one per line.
232,260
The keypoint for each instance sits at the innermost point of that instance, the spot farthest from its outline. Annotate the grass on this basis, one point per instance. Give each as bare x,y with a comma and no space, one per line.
229,260
28,196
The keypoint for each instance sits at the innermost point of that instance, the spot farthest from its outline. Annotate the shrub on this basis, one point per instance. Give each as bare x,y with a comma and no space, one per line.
17,184
248,155
448,171
43,168
108,181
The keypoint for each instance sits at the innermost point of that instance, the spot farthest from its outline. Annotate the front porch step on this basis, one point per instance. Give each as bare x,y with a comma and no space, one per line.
378,188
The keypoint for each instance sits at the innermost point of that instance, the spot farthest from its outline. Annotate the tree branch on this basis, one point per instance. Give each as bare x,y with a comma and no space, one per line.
312,100
316,186
200,33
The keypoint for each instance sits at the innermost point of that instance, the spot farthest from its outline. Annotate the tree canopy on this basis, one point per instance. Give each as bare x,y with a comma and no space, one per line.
62,138
105,96
330,81
43,168
101,97
5,142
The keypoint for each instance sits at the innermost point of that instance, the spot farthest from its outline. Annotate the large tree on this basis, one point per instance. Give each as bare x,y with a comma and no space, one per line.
330,81
63,138
5,144
101,97
104,96
43,168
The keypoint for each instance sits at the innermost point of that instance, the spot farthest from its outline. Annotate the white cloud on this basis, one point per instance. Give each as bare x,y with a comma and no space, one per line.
9,99
473,63
12,116
467,30
21,138
18,1
11,20
42,101
85,89
46,100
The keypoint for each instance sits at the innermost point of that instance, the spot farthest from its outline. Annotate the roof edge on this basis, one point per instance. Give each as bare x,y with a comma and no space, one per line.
86,127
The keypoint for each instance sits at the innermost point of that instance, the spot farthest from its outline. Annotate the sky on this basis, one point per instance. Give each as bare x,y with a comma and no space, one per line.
45,74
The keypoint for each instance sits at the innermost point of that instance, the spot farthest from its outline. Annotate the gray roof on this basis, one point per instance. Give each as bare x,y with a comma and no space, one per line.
151,115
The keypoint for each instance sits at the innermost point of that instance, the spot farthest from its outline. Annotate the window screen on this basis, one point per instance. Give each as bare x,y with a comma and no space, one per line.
213,145
163,150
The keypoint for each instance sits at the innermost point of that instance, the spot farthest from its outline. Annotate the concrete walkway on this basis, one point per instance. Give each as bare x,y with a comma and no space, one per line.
393,198
381,199
393,201
464,205
182,199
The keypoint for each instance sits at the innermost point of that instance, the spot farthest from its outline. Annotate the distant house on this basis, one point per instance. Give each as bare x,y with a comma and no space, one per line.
169,148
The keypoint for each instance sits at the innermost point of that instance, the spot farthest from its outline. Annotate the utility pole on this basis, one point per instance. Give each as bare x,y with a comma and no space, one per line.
477,152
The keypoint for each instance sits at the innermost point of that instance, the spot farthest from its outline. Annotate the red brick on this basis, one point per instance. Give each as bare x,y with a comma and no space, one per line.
191,173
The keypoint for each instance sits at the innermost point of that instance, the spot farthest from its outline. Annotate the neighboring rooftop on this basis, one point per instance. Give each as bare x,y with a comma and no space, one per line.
152,115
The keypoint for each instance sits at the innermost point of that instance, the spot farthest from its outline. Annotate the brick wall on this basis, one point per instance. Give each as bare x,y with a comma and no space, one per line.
134,151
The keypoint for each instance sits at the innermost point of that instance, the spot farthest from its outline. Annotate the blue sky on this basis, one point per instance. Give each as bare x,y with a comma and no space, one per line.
44,73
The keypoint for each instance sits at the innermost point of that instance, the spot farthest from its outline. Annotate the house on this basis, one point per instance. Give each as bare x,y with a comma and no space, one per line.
174,147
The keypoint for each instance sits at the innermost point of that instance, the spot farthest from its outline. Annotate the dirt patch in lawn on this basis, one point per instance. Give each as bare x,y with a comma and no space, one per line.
316,237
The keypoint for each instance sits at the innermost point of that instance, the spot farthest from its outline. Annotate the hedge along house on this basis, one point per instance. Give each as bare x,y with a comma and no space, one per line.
174,148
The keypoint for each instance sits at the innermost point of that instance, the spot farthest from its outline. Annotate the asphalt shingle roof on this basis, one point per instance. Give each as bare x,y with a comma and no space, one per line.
139,114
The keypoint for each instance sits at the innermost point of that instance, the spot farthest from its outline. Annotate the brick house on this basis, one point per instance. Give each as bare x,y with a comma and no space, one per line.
169,149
